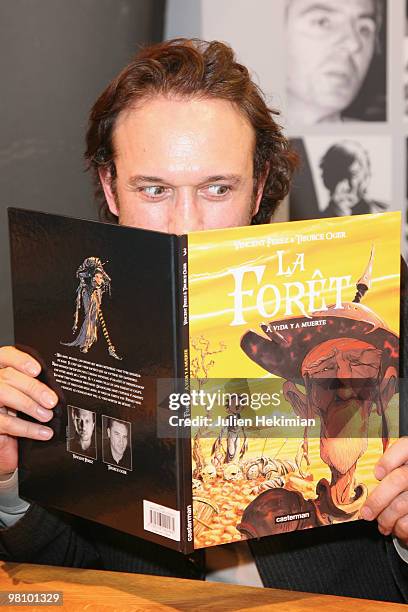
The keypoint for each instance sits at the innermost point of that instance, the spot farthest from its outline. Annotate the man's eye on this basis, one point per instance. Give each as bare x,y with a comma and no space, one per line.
323,369
367,29
155,191
361,363
218,190
324,23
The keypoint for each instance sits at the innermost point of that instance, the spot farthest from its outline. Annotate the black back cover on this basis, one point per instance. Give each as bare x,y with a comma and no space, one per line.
139,318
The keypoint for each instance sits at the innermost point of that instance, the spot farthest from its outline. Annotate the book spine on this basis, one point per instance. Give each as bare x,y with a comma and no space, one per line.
182,378
403,386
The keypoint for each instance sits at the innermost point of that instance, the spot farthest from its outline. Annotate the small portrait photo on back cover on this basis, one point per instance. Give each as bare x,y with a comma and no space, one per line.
81,434
341,177
116,443
336,61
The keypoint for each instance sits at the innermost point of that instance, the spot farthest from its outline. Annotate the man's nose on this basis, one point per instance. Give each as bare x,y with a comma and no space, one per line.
350,38
185,214
344,370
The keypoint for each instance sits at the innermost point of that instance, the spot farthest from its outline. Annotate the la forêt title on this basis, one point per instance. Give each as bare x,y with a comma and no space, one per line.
294,296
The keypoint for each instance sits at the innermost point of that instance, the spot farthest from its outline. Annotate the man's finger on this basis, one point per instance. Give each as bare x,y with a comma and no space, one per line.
393,513
393,484
18,428
13,398
394,456
401,529
10,356
31,387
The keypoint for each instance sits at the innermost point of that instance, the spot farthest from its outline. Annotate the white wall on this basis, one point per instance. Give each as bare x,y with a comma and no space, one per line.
255,29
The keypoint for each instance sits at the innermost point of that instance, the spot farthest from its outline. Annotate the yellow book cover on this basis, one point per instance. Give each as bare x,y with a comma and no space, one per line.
293,348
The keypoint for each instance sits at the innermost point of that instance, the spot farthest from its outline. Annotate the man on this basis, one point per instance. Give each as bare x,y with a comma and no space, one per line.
330,48
117,452
232,434
346,174
182,140
348,369
84,442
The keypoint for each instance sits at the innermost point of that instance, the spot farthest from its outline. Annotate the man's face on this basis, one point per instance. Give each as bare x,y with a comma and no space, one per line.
343,385
98,279
183,165
234,404
84,423
349,192
343,374
253,472
330,47
118,435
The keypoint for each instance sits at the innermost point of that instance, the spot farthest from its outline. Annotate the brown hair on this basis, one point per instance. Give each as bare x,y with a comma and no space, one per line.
192,67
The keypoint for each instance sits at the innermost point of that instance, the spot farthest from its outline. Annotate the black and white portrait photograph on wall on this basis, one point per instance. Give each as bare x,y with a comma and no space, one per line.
339,177
81,434
405,245
116,442
336,61
405,65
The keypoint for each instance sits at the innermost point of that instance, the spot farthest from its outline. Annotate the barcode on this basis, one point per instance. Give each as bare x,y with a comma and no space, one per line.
161,520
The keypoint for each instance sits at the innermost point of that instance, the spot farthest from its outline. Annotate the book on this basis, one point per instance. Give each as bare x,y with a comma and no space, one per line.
215,386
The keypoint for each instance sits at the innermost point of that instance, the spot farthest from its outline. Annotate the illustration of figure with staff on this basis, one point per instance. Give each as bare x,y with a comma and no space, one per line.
93,283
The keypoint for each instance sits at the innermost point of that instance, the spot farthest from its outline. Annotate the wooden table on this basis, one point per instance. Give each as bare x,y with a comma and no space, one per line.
96,591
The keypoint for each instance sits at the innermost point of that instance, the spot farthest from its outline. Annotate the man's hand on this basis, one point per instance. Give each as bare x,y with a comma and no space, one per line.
388,502
20,391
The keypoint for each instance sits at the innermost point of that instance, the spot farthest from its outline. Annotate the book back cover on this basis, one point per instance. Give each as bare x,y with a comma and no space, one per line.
95,304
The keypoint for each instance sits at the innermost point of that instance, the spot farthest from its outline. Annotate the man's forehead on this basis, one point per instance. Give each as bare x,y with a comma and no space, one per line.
331,347
82,412
357,8
171,135
155,103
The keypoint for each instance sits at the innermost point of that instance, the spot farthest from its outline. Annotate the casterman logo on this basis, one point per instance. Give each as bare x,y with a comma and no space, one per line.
292,517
